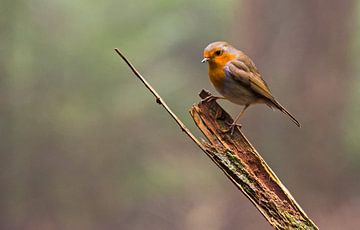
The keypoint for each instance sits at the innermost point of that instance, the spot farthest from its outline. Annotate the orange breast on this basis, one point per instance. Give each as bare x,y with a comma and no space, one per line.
216,69
216,74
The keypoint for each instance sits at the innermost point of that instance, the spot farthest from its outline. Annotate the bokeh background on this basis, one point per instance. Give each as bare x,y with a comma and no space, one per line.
84,145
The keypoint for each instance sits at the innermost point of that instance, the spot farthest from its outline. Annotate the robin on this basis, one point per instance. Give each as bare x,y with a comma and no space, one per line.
237,79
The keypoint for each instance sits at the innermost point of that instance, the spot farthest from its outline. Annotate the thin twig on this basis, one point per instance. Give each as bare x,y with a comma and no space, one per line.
160,101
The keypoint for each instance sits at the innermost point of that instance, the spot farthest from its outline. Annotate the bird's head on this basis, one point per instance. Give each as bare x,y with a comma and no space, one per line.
219,53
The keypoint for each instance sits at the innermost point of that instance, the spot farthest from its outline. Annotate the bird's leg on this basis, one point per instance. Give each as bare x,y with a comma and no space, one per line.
234,124
211,98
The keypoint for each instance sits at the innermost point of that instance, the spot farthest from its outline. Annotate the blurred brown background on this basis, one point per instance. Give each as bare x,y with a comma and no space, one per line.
84,145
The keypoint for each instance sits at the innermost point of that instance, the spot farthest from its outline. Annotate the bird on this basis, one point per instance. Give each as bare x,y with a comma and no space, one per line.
235,76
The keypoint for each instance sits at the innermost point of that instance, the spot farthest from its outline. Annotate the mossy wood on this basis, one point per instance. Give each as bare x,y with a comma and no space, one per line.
243,165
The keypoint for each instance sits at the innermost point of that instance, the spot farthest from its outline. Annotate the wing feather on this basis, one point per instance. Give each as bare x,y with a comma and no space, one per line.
247,75
244,71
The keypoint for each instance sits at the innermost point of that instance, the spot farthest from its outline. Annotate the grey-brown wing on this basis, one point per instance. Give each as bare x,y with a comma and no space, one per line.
247,75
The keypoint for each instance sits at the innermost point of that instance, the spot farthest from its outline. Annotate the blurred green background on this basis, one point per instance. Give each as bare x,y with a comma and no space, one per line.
85,146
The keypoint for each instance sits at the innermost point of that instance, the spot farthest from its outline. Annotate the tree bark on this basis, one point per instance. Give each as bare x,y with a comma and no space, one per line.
243,165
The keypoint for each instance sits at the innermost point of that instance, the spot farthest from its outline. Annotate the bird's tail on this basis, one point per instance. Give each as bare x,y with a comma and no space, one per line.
277,105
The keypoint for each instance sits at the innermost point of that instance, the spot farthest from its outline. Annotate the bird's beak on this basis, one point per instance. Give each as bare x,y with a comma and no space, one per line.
205,60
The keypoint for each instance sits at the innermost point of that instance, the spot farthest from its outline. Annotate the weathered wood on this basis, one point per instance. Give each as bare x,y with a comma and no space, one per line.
247,169
240,162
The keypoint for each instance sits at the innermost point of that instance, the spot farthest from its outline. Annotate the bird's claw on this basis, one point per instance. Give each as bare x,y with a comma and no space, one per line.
209,99
232,127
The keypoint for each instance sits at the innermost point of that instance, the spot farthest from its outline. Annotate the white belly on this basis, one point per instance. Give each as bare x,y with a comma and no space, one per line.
236,93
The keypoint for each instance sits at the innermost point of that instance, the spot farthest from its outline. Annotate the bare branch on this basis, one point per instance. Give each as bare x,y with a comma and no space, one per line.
160,101
240,162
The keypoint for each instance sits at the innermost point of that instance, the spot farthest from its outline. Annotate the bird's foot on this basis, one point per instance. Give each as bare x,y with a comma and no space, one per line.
232,127
211,98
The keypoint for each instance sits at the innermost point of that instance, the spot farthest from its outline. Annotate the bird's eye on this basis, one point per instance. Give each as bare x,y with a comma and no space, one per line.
218,52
